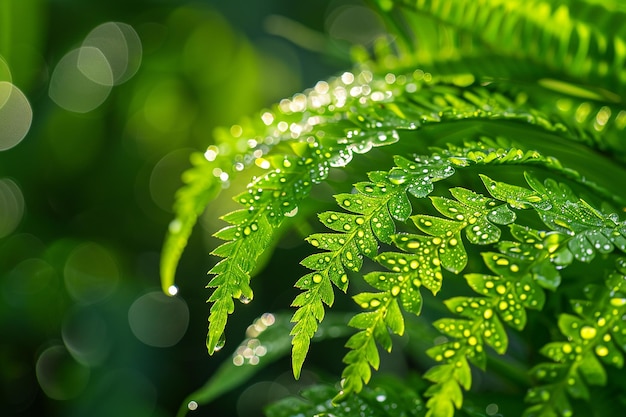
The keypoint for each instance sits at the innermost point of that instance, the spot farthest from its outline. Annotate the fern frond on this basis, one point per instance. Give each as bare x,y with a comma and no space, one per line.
324,116
191,200
573,43
590,230
504,298
522,268
595,335
375,205
268,200
425,256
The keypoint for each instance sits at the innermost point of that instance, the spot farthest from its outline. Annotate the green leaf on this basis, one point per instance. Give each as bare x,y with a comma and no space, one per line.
516,197
592,370
386,397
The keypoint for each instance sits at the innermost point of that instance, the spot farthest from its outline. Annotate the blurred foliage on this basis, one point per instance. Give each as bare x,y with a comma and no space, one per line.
85,196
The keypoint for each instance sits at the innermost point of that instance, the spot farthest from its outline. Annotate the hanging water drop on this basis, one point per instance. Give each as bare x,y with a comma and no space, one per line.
220,343
244,300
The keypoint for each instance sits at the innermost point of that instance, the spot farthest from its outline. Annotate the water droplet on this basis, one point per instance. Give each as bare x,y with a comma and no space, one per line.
244,300
381,397
268,319
292,213
220,343
618,302
602,350
588,332
172,290
317,278
192,406
397,176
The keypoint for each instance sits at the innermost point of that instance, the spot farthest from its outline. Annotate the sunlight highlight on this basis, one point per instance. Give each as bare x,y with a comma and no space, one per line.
11,206
16,114
159,320
83,79
121,47
74,91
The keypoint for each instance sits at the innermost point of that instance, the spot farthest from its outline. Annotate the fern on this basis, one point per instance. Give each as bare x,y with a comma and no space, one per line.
591,336
564,38
521,270
462,135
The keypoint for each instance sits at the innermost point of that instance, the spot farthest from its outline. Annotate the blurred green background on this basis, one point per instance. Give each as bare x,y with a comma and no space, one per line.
101,103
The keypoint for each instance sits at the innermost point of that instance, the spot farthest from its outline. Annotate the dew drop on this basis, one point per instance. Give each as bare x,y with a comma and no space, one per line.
192,405
244,300
601,350
397,176
618,302
220,343
587,332
292,213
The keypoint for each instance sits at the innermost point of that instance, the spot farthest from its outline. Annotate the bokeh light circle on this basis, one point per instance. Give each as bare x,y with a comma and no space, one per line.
11,206
158,320
74,91
355,24
94,65
121,47
5,72
165,178
86,336
91,273
258,395
16,115
30,278
59,375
